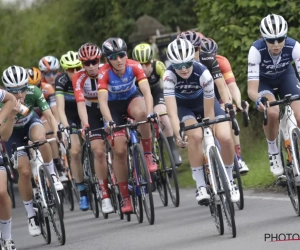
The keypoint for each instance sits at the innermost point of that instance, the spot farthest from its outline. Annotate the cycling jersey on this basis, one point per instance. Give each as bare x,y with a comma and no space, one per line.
85,88
64,87
157,74
225,68
2,95
209,60
261,63
200,83
34,97
120,88
49,93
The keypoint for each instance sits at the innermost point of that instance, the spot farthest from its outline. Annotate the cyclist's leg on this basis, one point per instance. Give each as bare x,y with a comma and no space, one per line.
5,205
160,106
100,164
271,130
243,168
36,132
137,110
223,134
53,145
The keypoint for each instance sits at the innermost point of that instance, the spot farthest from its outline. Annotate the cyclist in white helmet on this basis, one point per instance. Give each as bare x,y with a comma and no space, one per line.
17,126
189,92
49,66
269,67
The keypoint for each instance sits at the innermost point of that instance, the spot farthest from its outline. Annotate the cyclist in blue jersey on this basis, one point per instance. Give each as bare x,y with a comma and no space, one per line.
5,203
270,69
189,92
118,95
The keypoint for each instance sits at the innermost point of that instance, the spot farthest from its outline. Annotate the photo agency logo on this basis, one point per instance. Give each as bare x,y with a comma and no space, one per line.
270,237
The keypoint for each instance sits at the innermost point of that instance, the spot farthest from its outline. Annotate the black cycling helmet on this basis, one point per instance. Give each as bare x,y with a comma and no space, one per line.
113,45
209,45
192,36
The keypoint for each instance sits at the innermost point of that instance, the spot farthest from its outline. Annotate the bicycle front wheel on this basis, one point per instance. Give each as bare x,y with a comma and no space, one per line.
169,168
53,205
223,187
143,179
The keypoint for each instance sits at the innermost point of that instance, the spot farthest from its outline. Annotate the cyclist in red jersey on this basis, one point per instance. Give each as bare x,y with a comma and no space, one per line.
85,85
118,95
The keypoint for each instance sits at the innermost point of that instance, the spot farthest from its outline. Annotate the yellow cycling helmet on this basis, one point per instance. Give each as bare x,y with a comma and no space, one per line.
70,60
142,53
34,76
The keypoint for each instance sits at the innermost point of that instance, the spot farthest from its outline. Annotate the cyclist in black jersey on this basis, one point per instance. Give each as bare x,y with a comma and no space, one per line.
154,70
68,115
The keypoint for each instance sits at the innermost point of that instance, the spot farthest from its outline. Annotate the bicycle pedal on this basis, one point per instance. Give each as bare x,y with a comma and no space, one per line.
204,202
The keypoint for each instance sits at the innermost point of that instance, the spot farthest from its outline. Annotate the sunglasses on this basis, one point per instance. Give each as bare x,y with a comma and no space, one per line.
180,66
273,40
74,70
17,90
93,62
120,54
147,64
50,73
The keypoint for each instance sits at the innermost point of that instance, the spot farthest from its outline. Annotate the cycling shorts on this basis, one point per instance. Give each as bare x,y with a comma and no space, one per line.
95,120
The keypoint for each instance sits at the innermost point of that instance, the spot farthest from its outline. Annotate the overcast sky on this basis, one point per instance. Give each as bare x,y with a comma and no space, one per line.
24,2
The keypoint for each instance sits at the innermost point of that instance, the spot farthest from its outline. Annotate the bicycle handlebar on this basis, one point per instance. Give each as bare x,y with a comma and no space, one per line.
287,100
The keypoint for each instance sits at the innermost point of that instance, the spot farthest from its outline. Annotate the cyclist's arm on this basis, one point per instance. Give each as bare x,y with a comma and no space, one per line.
60,101
170,99
254,59
103,96
235,93
7,127
145,89
53,107
51,120
207,83
223,90
9,101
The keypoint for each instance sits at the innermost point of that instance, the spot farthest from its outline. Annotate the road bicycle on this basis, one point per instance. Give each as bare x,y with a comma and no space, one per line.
218,184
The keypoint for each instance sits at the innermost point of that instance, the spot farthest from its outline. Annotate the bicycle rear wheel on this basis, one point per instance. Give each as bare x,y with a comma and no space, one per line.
293,189
44,222
238,181
54,207
143,178
169,168
224,189
11,193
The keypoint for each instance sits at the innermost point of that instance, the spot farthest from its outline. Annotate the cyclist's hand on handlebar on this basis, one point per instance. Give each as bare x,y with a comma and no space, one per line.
108,125
83,131
150,117
181,142
260,103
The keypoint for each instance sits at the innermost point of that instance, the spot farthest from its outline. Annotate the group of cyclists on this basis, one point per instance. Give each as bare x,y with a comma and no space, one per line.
89,94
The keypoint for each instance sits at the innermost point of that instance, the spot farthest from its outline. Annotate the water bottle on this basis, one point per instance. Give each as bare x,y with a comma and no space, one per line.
23,110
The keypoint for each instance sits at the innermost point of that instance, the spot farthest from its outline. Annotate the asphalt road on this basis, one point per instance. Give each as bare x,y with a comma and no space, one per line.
189,226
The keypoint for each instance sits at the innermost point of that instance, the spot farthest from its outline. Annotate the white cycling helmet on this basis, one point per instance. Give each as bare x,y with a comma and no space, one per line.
14,76
48,63
180,51
273,26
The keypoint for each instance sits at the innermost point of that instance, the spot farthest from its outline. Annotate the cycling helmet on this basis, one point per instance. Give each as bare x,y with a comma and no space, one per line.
142,53
113,45
209,45
14,76
48,63
70,60
192,36
34,76
273,26
180,51
88,52
200,34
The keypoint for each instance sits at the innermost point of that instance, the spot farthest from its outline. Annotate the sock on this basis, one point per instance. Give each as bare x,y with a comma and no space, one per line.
5,229
229,169
124,189
198,176
81,189
146,145
238,151
50,167
29,208
104,188
57,165
272,147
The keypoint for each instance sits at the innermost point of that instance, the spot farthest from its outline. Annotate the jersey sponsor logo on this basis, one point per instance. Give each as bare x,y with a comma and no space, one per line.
63,80
100,76
265,61
285,54
209,82
140,66
217,75
207,58
168,79
289,46
279,65
251,64
120,88
78,83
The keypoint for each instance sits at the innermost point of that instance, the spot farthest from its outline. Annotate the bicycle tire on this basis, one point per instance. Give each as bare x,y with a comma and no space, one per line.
54,207
68,195
11,193
160,176
169,169
44,222
292,188
143,175
99,196
225,197
237,175
61,201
